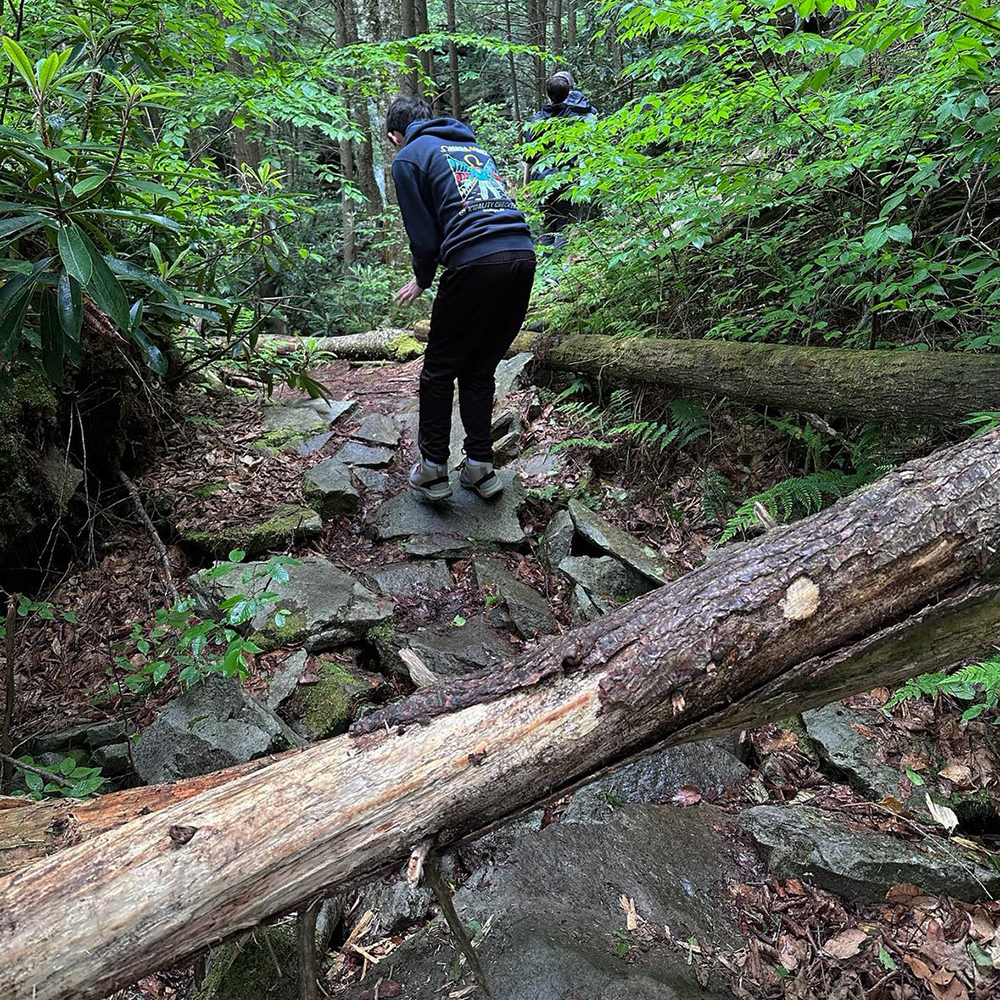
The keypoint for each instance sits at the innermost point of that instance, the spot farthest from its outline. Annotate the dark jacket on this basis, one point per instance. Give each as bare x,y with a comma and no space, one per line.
455,206
575,106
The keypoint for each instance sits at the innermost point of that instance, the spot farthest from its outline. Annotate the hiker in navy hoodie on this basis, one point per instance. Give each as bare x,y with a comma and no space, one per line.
565,101
458,214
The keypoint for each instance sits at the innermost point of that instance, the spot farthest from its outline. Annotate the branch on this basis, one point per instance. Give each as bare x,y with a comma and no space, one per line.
153,534
50,775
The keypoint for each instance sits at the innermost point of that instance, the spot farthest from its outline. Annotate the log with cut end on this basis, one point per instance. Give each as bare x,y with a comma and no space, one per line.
877,587
909,386
375,345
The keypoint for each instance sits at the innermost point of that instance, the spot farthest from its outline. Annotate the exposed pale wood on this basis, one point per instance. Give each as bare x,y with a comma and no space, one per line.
375,345
833,604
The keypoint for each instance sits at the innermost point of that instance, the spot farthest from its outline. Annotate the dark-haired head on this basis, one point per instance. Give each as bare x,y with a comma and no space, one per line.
559,85
403,112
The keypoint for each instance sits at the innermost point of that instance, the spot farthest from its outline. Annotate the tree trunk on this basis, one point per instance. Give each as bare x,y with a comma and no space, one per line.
342,28
557,30
453,82
873,589
512,62
408,28
375,345
570,24
425,56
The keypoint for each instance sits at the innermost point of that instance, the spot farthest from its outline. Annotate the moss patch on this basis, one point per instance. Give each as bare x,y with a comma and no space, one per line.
382,633
291,632
329,703
264,963
405,348
209,490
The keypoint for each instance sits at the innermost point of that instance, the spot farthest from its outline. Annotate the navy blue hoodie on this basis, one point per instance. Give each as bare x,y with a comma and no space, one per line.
454,204
575,106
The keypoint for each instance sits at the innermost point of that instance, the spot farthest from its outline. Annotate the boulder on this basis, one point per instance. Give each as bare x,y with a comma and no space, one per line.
611,539
61,477
512,374
528,610
210,726
437,547
319,606
541,462
506,448
607,582
328,489
112,759
356,453
463,516
276,531
377,428
582,609
555,919
395,907
407,577
556,541
457,650
711,766
89,735
806,843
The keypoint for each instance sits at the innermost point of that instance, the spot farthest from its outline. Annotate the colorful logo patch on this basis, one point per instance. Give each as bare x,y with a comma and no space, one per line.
477,179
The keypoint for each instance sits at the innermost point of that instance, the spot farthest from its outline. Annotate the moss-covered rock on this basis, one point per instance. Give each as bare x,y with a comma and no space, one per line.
262,964
331,701
405,348
275,533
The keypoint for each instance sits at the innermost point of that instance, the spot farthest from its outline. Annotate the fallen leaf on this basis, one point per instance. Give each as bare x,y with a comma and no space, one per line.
628,905
959,774
687,795
847,944
791,951
920,969
941,815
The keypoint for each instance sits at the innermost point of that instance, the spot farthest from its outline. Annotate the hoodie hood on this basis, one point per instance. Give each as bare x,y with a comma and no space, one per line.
449,129
575,104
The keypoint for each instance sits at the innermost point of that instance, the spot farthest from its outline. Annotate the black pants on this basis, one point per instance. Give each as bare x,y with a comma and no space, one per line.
477,313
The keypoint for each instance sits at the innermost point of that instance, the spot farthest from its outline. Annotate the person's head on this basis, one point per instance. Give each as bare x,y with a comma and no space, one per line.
403,112
559,86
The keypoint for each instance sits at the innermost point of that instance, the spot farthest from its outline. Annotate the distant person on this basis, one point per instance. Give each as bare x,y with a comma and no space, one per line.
457,213
565,101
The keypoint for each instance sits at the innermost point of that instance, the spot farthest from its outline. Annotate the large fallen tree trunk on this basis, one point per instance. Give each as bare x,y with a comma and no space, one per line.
936,387
375,345
875,588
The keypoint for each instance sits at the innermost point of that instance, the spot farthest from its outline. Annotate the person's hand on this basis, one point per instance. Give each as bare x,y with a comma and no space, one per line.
409,293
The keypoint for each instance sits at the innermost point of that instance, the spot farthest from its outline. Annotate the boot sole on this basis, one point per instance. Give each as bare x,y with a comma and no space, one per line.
429,495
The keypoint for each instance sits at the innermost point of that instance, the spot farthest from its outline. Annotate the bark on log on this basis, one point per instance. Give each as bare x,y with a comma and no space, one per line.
932,387
873,589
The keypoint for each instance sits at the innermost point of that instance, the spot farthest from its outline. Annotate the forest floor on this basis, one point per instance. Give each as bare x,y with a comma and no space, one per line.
798,939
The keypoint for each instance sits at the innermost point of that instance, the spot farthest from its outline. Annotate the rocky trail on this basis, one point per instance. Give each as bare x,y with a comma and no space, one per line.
845,852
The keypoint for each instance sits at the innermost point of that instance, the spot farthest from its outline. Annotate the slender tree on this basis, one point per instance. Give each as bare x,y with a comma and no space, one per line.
456,96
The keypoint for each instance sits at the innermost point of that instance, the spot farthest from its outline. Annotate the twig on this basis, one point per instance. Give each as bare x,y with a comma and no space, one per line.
442,894
8,714
51,775
305,931
153,534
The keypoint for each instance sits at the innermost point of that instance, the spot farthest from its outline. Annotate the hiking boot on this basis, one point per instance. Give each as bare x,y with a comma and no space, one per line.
479,476
429,481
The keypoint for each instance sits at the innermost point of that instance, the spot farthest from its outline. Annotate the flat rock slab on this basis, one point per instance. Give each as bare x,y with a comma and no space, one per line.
464,516
329,489
806,843
437,547
290,422
611,539
370,479
512,374
274,532
325,606
553,909
407,577
283,682
377,428
210,726
556,542
528,610
355,453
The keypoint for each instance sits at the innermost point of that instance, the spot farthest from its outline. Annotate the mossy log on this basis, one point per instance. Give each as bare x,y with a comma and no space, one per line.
896,386
891,581
375,345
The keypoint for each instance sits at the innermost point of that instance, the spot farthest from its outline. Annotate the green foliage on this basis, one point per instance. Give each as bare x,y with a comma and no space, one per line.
83,781
184,643
793,497
978,683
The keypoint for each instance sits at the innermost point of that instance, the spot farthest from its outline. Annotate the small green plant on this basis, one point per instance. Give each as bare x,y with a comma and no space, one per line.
978,683
184,641
69,779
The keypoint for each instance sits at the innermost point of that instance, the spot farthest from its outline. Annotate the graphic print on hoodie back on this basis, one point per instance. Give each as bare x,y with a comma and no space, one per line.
454,203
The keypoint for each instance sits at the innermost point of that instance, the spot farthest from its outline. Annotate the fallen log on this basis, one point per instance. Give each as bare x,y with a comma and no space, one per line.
931,387
30,830
876,588
375,345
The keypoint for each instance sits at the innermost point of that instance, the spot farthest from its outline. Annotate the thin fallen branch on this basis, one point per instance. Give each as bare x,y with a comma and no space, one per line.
40,771
153,534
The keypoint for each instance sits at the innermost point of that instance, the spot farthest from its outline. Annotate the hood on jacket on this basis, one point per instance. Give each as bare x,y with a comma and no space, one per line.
575,104
449,129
